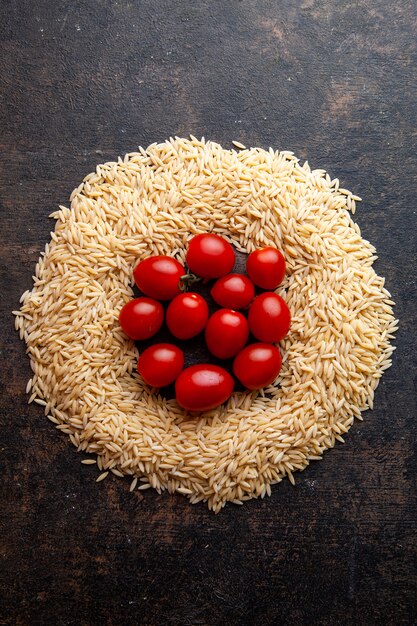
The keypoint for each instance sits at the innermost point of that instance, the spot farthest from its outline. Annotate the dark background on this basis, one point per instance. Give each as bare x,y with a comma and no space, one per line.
84,81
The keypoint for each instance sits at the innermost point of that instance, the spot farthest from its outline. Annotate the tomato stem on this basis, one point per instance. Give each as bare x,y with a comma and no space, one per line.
187,280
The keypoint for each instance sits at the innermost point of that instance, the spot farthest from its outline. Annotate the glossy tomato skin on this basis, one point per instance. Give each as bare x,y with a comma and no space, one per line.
210,256
187,315
227,331
160,364
257,365
269,317
203,387
159,277
141,318
233,291
266,267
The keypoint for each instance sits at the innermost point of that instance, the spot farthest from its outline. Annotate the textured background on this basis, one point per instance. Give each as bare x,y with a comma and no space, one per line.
84,81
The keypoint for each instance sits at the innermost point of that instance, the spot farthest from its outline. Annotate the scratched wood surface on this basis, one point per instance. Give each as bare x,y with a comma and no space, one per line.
84,81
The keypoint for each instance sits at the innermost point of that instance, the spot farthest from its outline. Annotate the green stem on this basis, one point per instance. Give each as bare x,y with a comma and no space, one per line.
187,280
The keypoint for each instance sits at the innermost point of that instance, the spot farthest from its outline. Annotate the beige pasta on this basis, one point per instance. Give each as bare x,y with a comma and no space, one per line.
152,202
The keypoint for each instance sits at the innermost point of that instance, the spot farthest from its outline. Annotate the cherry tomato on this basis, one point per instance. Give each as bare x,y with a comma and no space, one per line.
269,317
210,256
160,364
257,365
227,332
187,315
266,267
233,291
159,277
141,318
203,387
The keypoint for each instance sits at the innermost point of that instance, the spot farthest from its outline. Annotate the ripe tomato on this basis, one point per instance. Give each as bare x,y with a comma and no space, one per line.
203,387
160,364
210,256
269,317
159,277
257,365
187,315
227,332
266,267
233,291
141,318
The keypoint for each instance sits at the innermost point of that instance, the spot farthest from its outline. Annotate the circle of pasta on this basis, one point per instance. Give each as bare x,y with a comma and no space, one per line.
153,202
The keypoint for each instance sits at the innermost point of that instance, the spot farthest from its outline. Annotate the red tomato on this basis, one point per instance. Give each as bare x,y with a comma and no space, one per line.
160,364
141,318
269,317
266,267
203,387
210,256
227,332
257,365
159,277
187,315
234,291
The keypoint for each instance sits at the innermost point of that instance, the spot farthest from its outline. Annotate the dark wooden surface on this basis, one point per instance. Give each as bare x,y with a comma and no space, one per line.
84,81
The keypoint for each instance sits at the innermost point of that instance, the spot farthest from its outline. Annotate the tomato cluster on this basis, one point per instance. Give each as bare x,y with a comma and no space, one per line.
226,331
